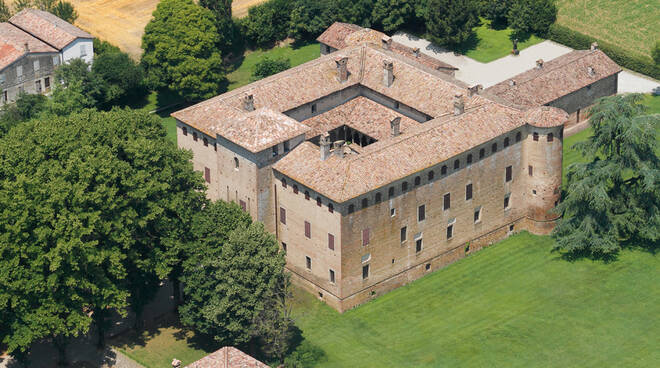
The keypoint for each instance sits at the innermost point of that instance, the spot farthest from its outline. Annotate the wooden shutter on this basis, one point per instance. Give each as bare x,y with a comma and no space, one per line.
365,237
207,174
283,215
331,241
308,229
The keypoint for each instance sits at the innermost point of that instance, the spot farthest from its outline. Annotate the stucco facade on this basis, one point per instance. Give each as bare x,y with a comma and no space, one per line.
31,74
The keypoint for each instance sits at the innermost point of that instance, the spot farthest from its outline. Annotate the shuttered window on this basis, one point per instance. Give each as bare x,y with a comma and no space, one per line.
207,174
468,192
365,237
331,241
283,215
308,230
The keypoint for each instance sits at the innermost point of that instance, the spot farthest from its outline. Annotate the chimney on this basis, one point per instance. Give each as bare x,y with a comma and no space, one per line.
416,52
459,104
339,148
248,103
324,143
395,126
176,363
342,68
475,90
386,42
388,73
539,64
512,82
594,46
591,71
27,47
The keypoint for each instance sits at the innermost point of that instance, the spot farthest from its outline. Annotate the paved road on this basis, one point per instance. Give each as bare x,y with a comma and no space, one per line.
487,74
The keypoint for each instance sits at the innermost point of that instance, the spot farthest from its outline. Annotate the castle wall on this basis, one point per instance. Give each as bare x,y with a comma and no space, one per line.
204,157
576,104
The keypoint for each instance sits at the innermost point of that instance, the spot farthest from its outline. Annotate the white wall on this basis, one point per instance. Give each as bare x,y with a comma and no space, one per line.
72,50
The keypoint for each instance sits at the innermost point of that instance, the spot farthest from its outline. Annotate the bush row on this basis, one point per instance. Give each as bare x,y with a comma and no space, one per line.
639,63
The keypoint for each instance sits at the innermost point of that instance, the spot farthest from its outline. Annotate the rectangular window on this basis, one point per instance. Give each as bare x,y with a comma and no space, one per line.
19,70
365,272
207,174
274,151
530,170
313,108
284,246
35,65
332,276
450,231
83,50
365,237
242,204
447,202
421,213
37,86
283,215
506,201
404,234
4,96
56,60
308,230
468,192
418,245
308,263
286,146
331,241
477,215
47,83
2,78
508,174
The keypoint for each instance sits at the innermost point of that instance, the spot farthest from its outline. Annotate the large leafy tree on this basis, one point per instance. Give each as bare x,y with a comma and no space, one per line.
223,22
392,15
123,77
267,22
450,22
86,200
180,51
532,16
496,10
613,197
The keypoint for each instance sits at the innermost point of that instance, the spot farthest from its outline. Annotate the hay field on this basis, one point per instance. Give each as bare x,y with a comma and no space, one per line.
633,25
122,22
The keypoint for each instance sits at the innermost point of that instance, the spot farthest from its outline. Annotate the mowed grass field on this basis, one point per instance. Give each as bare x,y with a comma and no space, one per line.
631,24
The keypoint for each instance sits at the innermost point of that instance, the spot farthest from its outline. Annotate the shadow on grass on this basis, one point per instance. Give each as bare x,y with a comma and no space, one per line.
630,244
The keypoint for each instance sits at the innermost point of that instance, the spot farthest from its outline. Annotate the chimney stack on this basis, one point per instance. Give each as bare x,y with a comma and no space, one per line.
176,363
324,143
339,148
395,126
591,71
248,103
388,73
386,42
416,52
27,47
475,90
512,82
594,46
459,104
539,64
342,68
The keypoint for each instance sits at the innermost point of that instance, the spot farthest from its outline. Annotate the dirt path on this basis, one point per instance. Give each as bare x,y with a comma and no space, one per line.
122,22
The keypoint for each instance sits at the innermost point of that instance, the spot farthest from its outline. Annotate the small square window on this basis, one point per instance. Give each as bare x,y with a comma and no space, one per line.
318,201
506,142
308,230
308,263
443,170
184,130
507,201
508,175
404,234
390,192
534,191
450,231
477,215
550,137
530,170
535,137
431,175
418,180
392,212
469,158
295,189
274,151
283,216
365,203
284,246
518,137
404,186
457,164
332,276
494,147
447,201
421,213
331,241
418,245
428,267
313,108
365,237
307,195
365,272
286,146
482,153
378,198
468,192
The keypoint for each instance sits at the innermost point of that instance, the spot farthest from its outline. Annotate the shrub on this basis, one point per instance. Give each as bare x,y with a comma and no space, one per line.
267,23
269,66
532,16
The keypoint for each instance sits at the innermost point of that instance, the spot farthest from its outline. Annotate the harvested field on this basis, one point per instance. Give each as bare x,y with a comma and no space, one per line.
122,22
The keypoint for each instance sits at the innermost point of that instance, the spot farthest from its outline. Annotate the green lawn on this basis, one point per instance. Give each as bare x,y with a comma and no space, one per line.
297,55
631,24
488,44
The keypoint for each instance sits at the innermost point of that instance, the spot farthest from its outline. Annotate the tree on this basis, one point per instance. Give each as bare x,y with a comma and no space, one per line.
223,22
235,289
65,10
450,22
392,15
61,9
614,196
180,52
655,52
532,16
267,22
124,78
26,107
269,66
5,13
497,11
87,199
80,89
310,18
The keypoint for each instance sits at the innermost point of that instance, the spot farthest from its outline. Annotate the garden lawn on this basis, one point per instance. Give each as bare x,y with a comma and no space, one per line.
514,304
633,25
487,44
296,55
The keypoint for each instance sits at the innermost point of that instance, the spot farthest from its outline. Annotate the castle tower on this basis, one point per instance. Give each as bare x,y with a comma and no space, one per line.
542,165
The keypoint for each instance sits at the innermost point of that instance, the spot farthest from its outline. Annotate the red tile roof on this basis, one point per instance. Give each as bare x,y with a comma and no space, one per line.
336,34
227,357
556,78
48,28
12,44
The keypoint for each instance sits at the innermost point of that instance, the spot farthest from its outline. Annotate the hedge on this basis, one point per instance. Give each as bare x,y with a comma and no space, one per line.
639,63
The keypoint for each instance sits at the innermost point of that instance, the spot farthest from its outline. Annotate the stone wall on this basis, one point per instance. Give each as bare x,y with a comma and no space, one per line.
13,84
576,104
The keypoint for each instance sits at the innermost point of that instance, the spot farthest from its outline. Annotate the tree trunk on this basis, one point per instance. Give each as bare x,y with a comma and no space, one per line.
176,291
60,344
99,318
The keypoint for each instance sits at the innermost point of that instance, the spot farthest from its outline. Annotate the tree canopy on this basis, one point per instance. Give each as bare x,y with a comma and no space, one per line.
269,66
614,197
60,8
450,22
532,16
87,199
5,13
180,51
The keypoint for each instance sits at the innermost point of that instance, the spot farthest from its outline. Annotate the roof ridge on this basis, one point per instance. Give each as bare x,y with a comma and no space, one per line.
552,68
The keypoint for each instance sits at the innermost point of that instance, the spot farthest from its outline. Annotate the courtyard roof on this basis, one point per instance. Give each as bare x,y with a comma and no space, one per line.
13,44
48,28
227,357
555,78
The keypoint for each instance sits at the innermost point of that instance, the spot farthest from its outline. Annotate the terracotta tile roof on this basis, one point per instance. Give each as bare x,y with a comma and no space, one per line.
261,129
336,34
360,113
12,44
557,78
545,116
341,35
48,28
227,357
386,161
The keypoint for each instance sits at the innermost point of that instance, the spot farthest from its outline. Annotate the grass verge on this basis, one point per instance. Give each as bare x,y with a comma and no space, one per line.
487,44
